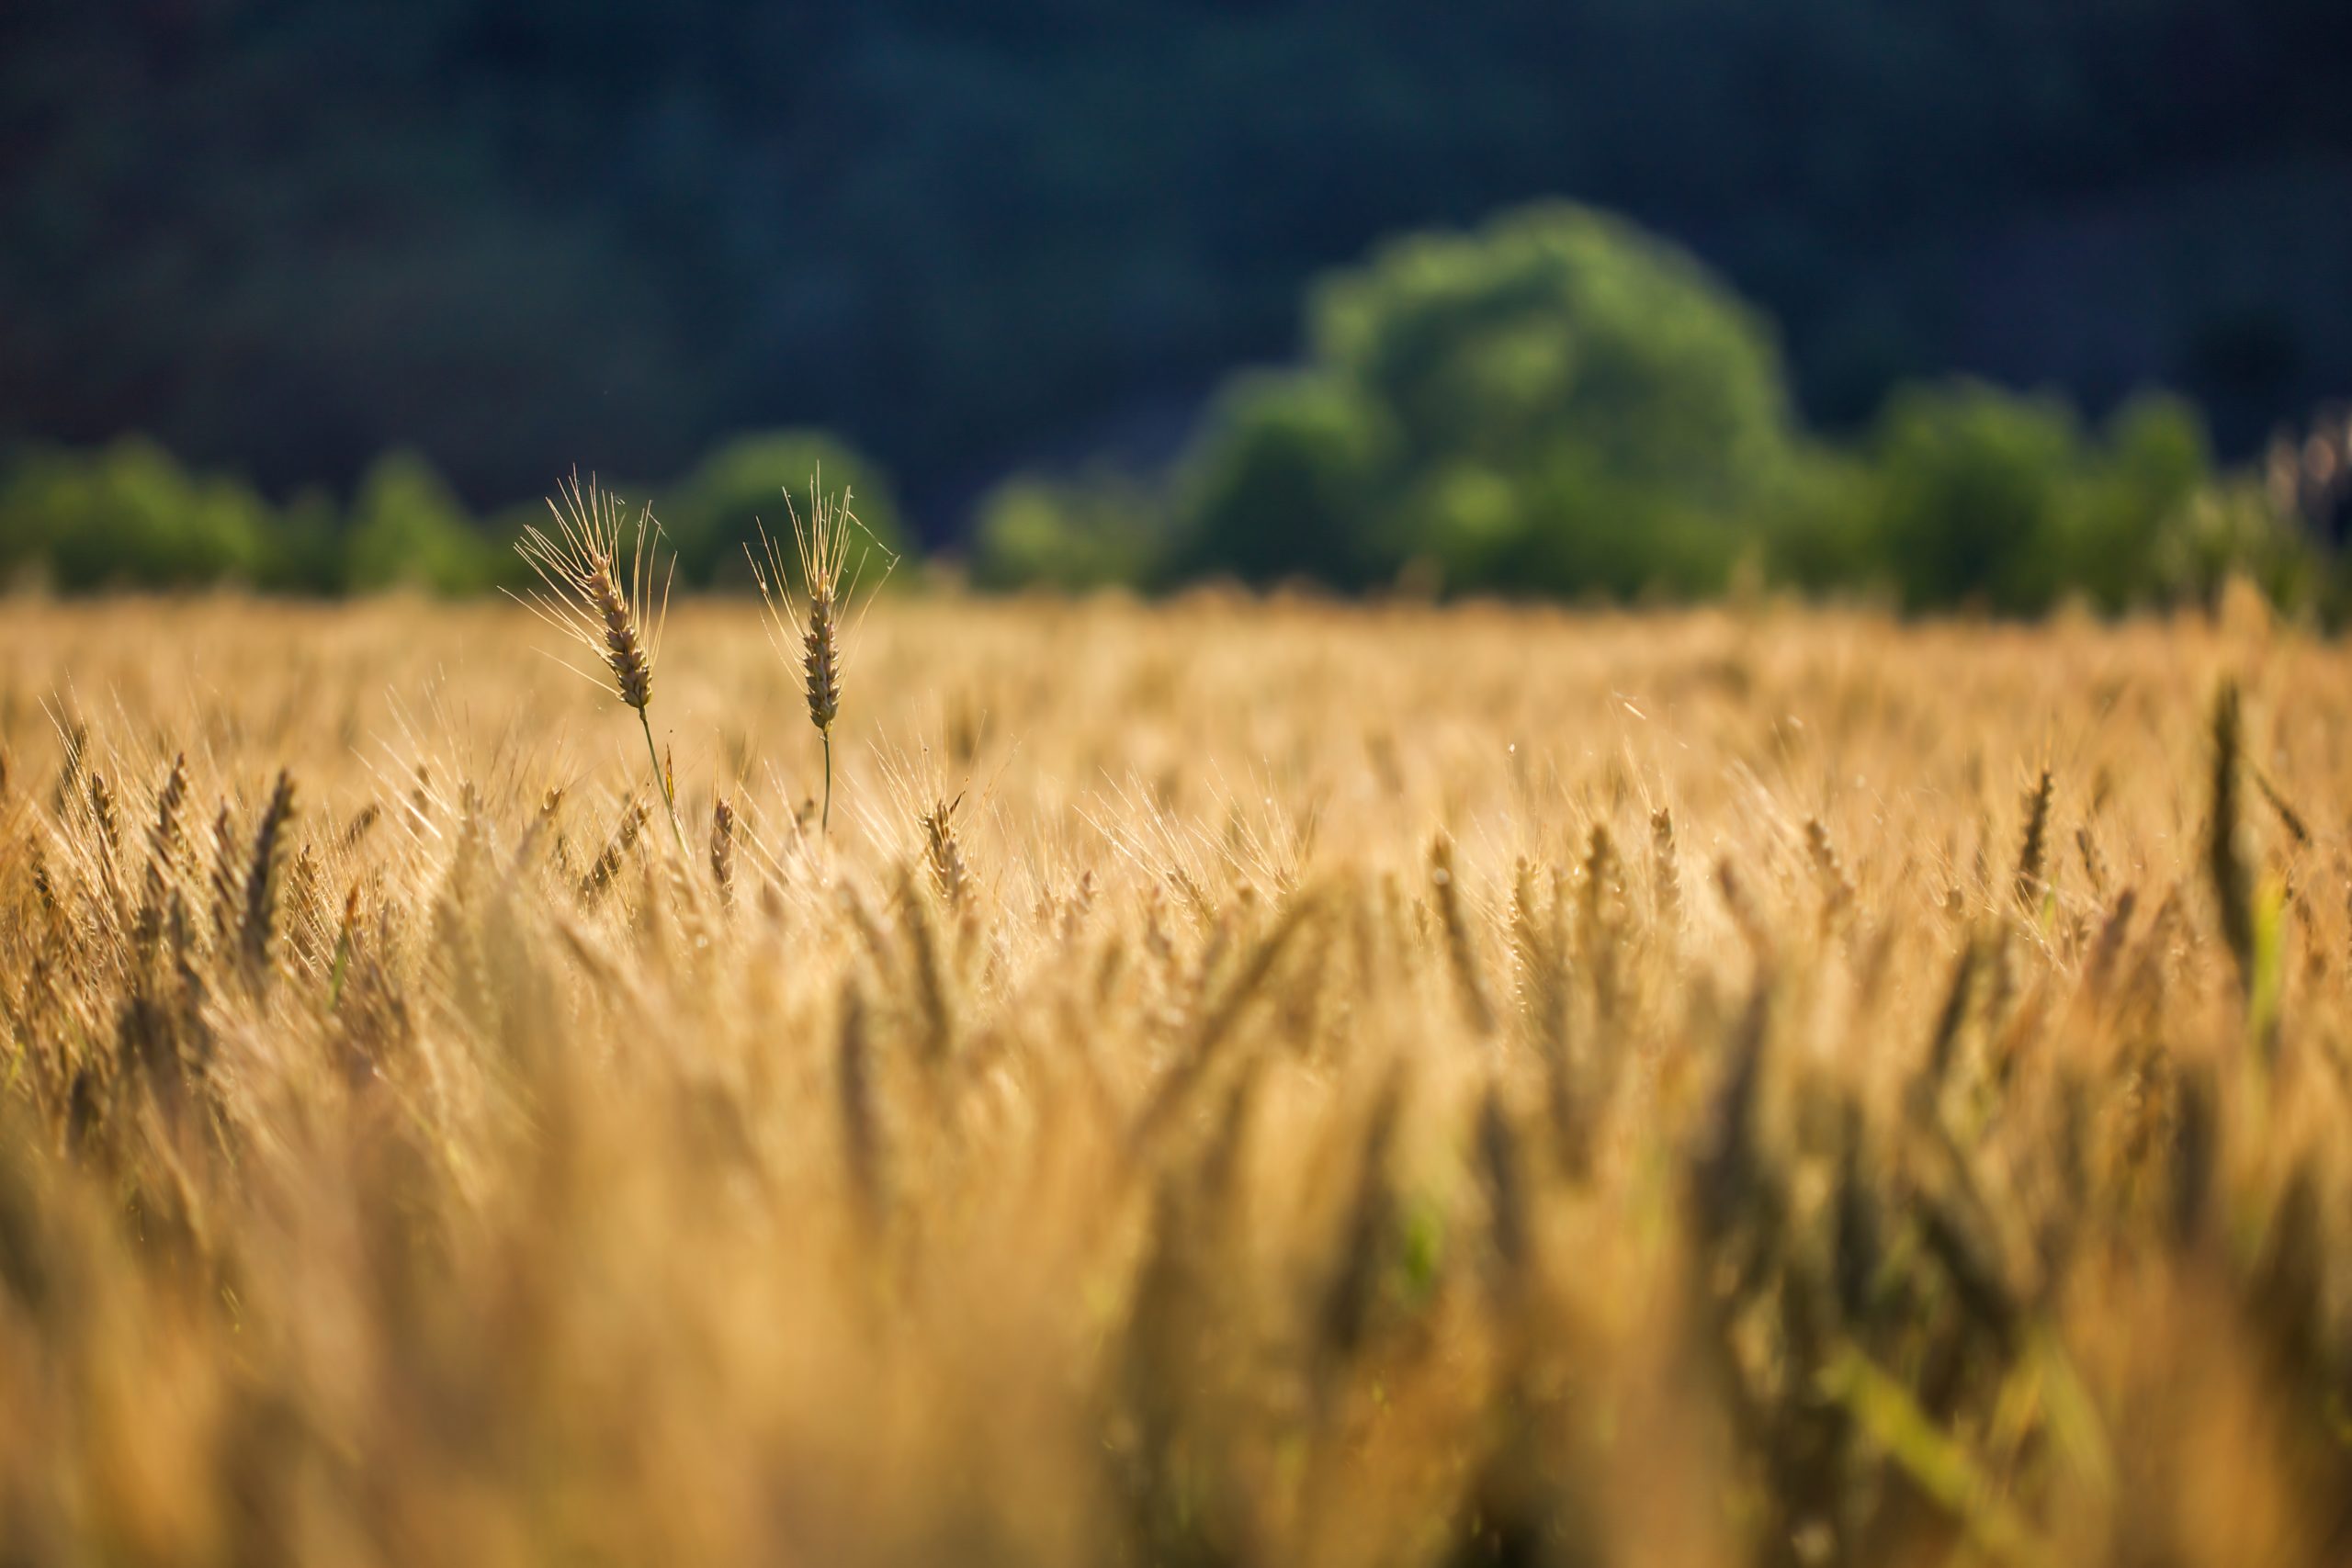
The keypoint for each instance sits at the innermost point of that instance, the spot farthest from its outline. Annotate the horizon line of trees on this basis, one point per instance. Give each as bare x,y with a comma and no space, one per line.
1556,404
283,236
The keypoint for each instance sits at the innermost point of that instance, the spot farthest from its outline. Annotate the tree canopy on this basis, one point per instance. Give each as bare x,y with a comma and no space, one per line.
514,235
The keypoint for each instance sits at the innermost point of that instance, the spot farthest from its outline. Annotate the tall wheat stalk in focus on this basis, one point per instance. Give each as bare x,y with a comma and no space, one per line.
829,580
600,599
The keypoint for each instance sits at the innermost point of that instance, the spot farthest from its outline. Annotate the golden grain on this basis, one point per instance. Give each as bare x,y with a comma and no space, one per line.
1122,1176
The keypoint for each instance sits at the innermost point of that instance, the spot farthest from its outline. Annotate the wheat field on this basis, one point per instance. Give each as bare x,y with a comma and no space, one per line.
1235,1082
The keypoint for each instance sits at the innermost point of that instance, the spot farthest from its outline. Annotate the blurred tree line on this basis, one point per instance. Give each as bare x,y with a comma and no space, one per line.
1557,404
283,236
129,516
1562,405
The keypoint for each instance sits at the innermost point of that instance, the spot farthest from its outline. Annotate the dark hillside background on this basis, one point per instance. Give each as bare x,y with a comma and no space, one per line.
282,236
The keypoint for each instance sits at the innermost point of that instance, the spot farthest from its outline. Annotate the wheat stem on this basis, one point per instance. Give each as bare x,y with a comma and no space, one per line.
661,783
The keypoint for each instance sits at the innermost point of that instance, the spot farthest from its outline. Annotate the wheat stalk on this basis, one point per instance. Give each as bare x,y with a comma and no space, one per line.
812,635
2225,857
1461,943
2033,848
722,849
608,587
259,926
945,853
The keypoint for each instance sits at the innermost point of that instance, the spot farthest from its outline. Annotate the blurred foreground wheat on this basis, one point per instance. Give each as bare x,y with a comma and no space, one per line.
1239,1083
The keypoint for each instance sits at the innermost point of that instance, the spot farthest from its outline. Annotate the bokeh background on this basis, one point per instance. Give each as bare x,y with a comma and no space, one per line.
1997,302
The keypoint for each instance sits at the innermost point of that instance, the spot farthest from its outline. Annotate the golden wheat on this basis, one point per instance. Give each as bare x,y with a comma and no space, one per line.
829,551
605,585
1279,1126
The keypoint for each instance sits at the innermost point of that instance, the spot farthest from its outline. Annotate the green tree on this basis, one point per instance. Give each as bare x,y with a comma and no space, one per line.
409,530
2231,530
2153,461
1985,497
1822,531
1285,483
1557,402
129,515
1096,531
306,548
1971,484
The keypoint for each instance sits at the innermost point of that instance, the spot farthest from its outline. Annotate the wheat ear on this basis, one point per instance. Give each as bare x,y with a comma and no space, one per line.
614,604
813,636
